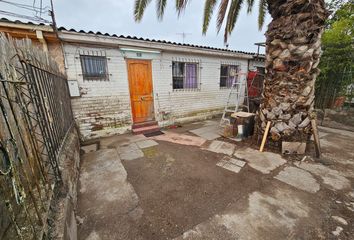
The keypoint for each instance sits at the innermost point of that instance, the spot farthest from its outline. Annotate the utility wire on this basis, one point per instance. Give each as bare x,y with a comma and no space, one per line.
27,7
34,18
35,15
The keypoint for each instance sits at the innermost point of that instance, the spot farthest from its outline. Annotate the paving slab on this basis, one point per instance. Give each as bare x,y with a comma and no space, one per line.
129,151
210,128
209,132
136,138
298,178
180,139
104,192
146,143
293,148
265,162
231,164
221,147
89,148
118,140
258,220
234,161
209,135
330,177
237,162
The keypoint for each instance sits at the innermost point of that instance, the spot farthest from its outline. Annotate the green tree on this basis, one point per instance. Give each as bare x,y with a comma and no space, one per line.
337,57
293,46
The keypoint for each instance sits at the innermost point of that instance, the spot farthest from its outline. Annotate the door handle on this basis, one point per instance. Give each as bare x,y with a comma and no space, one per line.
143,98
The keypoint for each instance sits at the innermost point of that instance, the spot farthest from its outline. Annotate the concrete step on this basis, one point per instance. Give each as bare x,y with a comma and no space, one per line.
144,124
148,129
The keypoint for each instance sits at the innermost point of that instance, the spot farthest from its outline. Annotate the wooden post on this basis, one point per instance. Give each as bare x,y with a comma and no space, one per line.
265,136
316,138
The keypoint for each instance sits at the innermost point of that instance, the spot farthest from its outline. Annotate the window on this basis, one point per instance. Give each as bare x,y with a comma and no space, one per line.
227,74
94,67
185,75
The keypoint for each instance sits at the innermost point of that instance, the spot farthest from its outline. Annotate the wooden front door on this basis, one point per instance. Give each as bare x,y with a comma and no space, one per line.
140,85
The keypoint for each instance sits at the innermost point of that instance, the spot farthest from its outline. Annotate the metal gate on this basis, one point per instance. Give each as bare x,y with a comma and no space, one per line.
35,117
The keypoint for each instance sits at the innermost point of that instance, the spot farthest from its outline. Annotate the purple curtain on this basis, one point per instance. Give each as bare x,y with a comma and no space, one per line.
191,76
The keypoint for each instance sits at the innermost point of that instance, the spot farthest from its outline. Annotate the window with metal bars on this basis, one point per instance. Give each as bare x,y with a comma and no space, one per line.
227,74
94,67
184,75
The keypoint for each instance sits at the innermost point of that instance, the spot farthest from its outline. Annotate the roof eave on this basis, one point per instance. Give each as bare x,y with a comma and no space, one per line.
26,26
100,39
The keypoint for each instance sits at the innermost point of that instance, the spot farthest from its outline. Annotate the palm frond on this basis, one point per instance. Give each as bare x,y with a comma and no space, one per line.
221,14
232,15
208,13
261,13
139,8
160,8
250,4
180,6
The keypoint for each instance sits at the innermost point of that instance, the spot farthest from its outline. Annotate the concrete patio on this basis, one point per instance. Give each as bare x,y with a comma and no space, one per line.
192,184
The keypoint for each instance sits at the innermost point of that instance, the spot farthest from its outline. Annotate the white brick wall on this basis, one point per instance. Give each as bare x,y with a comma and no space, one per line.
104,106
183,103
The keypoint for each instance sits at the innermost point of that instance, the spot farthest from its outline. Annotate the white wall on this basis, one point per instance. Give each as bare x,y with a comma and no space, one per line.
207,100
104,106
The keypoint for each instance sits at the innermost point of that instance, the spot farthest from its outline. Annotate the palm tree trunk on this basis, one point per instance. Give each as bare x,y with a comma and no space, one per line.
292,56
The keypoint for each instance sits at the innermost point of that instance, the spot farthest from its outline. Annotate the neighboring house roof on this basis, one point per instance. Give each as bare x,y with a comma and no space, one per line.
20,22
134,38
40,26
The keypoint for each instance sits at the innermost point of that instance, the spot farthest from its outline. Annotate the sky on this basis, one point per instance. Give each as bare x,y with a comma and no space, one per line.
116,17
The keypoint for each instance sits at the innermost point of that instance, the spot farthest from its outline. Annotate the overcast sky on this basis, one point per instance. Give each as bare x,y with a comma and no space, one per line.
116,17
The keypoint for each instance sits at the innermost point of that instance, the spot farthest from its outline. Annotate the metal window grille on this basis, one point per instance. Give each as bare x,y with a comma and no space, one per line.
94,67
185,75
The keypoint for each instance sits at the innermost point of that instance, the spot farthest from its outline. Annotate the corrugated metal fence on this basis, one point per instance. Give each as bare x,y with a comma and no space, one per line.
35,117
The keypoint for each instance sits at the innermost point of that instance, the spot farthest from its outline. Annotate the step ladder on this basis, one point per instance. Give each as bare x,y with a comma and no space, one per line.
238,92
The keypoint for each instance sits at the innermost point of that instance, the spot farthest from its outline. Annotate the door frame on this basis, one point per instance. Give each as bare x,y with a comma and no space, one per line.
129,60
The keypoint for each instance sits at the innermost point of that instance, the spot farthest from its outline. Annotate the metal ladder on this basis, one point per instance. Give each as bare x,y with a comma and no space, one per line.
236,90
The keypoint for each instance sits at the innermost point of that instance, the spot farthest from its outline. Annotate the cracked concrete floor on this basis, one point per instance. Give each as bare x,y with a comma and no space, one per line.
162,188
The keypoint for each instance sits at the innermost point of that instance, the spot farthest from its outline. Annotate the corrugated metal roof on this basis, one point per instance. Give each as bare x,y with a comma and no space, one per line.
137,38
20,22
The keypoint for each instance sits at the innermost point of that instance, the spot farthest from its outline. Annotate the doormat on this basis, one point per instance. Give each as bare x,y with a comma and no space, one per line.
152,134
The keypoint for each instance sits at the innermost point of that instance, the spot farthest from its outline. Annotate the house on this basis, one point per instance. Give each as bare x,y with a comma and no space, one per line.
41,35
120,83
125,82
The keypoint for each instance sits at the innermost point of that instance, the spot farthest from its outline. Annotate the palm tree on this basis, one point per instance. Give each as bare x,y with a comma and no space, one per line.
293,46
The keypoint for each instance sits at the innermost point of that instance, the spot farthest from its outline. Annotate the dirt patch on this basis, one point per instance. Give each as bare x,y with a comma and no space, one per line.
180,186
